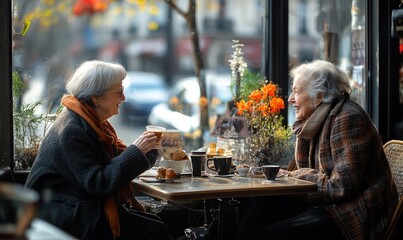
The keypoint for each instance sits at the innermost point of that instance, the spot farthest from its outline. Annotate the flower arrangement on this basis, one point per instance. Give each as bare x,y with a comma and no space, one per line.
259,102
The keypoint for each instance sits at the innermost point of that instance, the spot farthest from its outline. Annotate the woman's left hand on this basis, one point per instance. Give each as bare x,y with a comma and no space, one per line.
147,142
283,172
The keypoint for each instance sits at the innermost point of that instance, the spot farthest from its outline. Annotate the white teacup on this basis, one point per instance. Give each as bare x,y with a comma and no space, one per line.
242,171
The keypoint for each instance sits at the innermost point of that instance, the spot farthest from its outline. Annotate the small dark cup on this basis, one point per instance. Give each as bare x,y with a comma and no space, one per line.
198,162
222,164
271,171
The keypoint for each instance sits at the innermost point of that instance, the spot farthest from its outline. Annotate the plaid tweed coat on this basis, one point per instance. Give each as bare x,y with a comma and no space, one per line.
339,148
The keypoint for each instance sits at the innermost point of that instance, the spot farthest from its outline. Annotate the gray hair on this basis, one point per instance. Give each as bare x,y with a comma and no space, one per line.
94,78
323,77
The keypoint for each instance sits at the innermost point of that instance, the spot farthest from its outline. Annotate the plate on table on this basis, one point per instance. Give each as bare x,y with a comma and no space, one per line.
257,176
225,176
272,181
155,180
186,174
149,173
237,174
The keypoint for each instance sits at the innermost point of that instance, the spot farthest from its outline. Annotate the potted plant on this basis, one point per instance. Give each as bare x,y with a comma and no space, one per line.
259,101
27,137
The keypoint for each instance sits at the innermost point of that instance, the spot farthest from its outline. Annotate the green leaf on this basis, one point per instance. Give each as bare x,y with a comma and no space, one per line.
25,27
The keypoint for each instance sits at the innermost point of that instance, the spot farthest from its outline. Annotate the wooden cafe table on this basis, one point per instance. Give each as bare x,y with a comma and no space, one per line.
216,187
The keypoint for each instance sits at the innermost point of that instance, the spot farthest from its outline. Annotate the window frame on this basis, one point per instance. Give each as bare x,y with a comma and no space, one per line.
6,122
274,65
6,127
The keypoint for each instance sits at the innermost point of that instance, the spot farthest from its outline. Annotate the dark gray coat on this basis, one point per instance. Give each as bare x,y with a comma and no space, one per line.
74,174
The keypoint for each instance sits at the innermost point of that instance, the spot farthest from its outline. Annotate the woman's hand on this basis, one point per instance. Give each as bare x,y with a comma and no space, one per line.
283,172
147,142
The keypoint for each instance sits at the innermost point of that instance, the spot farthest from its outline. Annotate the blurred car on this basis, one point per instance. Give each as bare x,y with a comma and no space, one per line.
143,90
182,111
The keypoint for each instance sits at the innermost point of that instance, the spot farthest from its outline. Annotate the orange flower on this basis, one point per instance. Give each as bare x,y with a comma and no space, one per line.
89,6
269,90
241,106
203,102
250,105
256,96
264,109
100,6
174,100
277,104
261,104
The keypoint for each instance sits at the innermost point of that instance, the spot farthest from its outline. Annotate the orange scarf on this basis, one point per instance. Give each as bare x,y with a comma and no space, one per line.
107,135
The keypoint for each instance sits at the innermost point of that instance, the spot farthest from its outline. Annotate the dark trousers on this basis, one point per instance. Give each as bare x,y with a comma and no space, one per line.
134,225
283,217
142,225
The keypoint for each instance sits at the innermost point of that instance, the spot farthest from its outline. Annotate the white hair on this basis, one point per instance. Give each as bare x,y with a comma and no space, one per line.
323,77
94,78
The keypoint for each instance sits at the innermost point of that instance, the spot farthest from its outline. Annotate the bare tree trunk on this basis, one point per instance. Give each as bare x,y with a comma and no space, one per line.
190,17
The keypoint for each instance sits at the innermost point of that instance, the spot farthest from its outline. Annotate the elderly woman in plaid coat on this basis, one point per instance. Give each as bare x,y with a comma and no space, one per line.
338,148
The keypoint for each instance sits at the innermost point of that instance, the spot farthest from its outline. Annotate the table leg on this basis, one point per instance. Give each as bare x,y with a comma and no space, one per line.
223,208
207,213
217,228
226,227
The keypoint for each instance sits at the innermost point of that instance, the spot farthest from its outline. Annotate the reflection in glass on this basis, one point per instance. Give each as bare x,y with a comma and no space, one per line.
144,36
333,30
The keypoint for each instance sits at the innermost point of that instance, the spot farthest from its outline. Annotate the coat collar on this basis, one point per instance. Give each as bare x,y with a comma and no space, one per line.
309,128
314,123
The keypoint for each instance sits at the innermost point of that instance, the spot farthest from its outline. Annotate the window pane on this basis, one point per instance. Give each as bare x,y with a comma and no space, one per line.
151,40
333,30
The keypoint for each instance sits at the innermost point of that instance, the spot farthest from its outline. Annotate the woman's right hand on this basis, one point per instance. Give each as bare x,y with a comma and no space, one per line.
147,142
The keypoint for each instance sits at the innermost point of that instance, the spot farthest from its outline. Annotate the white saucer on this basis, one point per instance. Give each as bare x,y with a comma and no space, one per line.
225,176
155,180
272,181
237,174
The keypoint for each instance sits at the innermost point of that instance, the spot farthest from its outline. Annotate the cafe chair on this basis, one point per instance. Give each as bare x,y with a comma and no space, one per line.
394,153
17,209
292,165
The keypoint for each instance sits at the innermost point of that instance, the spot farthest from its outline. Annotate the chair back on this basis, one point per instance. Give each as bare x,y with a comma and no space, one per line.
394,153
18,207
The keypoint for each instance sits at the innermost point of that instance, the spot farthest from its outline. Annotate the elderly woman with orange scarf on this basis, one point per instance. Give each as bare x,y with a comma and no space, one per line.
83,170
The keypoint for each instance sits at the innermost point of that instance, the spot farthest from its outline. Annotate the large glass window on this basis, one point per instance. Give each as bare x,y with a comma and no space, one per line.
333,30
51,38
